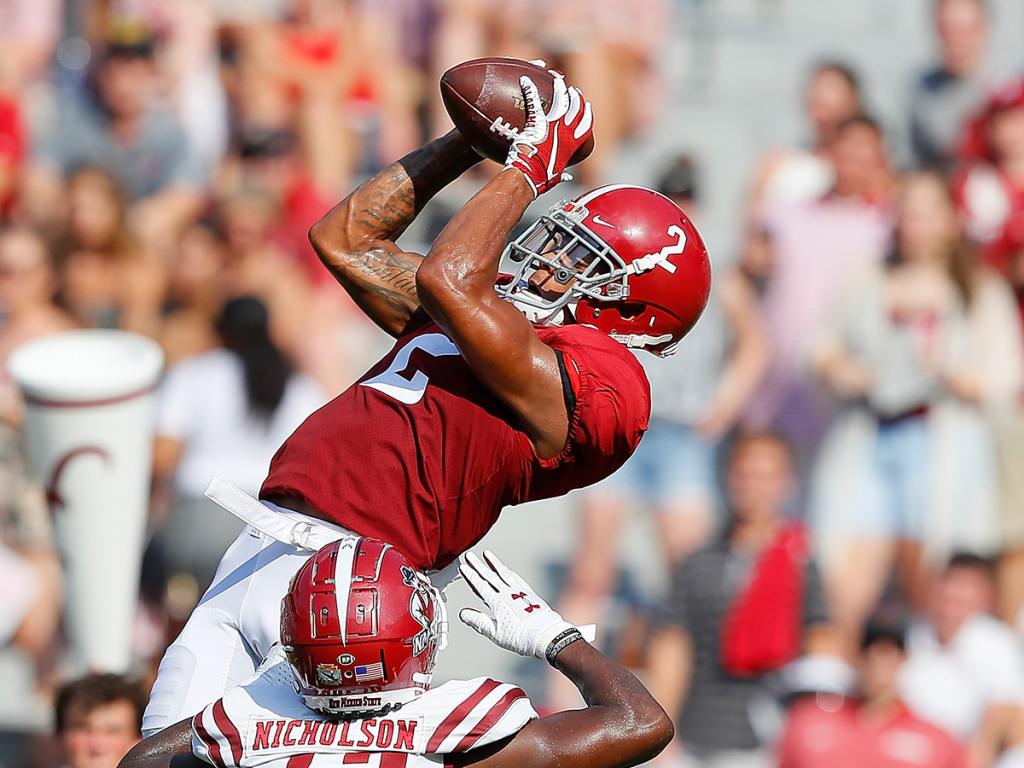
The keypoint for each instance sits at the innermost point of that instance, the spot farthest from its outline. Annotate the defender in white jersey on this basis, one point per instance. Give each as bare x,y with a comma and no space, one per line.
350,682
265,723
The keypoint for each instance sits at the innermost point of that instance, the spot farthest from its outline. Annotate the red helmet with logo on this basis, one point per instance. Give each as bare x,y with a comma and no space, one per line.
361,628
623,259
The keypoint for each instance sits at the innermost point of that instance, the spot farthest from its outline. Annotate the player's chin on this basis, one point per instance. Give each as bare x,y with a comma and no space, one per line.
546,287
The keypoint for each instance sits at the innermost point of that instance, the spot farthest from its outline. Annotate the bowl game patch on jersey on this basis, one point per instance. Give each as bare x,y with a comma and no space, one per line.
265,723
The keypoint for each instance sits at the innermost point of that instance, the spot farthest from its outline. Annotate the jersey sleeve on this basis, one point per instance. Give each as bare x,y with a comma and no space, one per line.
223,732
613,404
474,713
215,737
609,399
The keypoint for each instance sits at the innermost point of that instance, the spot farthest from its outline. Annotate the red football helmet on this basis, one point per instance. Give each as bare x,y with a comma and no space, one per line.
361,628
623,259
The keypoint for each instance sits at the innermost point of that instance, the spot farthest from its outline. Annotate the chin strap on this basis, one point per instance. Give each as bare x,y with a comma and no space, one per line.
558,317
643,341
440,620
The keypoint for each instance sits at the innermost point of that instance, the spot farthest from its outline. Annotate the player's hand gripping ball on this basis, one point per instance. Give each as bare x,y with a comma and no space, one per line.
544,148
485,100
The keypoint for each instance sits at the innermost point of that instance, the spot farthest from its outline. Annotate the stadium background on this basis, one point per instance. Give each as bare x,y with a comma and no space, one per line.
722,83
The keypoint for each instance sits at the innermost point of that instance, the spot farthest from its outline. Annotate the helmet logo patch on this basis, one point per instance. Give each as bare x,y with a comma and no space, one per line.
419,602
328,674
346,659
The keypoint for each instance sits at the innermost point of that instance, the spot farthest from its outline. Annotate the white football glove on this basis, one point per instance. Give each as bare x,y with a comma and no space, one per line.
520,620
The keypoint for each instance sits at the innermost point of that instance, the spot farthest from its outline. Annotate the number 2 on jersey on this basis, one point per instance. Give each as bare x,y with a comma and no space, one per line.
411,390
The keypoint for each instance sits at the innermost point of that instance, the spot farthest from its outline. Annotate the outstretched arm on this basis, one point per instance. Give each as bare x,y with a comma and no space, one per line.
622,725
455,282
171,748
356,239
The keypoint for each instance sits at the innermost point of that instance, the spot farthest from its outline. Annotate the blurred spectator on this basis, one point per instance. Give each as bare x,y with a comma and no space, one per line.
310,322
990,189
799,174
99,718
918,349
119,126
965,672
28,284
697,396
1013,755
188,65
608,49
954,88
108,279
268,163
724,357
12,153
29,601
334,72
875,730
740,608
195,293
814,246
992,193
223,413
31,578
29,30
1010,447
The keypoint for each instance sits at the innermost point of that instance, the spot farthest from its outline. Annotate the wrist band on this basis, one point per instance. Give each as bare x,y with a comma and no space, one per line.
561,642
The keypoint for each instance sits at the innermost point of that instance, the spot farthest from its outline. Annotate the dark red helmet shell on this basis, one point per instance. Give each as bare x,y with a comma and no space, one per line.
361,627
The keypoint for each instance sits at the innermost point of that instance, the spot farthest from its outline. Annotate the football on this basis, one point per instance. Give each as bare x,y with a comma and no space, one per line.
485,101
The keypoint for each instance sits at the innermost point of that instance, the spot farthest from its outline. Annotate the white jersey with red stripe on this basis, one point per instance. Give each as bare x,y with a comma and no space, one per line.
266,723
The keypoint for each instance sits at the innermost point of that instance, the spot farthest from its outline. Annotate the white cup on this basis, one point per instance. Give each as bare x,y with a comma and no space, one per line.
89,428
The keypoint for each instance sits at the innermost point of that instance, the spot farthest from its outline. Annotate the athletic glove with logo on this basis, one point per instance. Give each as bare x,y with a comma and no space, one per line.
544,147
520,620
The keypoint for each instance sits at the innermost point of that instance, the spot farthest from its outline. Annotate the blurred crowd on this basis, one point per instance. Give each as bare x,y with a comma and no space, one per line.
833,463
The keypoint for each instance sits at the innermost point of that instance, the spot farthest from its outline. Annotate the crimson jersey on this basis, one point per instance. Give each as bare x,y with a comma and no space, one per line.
420,454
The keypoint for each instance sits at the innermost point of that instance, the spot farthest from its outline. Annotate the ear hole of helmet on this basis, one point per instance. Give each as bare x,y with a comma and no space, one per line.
630,310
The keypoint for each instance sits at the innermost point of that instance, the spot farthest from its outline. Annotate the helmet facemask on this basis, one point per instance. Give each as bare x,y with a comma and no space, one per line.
555,263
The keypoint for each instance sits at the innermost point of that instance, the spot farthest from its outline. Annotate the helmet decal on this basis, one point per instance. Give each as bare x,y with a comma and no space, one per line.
343,578
328,674
660,259
420,601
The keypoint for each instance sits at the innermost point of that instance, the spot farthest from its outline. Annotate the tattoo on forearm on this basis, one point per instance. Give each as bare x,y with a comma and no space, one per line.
387,203
394,271
388,276
355,240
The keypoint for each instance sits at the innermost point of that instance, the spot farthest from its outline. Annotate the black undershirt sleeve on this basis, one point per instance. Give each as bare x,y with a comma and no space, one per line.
567,391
